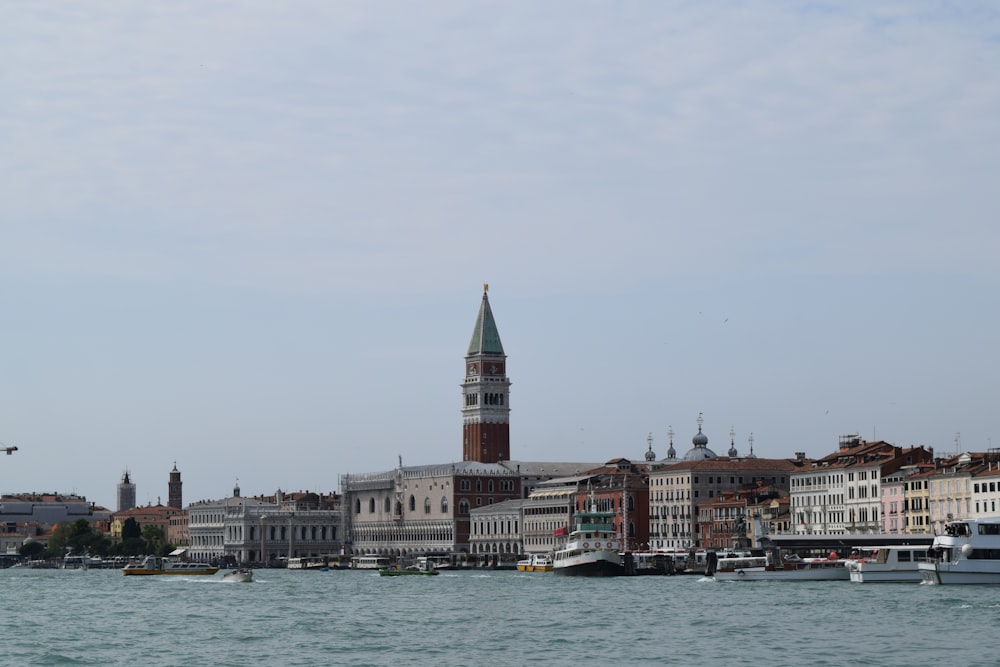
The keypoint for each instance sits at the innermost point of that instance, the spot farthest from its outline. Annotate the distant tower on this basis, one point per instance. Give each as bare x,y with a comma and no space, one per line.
732,443
174,498
671,452
485,393
126,493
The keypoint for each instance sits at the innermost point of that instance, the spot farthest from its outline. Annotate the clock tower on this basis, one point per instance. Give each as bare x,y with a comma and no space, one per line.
485,393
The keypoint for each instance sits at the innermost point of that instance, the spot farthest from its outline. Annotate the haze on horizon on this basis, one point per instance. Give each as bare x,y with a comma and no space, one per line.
251,238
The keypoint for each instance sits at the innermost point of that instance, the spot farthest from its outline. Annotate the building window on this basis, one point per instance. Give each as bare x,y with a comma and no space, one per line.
427,505
463,506
387,505
357,510
371,506
444,505
413,504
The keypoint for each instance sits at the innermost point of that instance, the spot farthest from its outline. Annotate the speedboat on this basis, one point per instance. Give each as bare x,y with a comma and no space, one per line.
239,575
157,565
591,550
967,553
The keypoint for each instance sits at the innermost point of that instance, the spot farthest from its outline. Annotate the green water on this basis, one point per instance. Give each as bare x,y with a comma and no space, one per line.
485,618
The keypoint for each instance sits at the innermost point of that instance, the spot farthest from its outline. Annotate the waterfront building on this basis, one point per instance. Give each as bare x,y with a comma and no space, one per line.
986,487
894,508
126,493
13,536
621,488
738,519
963,486
547,510
177,528
841,493
916,498
49,509
495,536
421,509
265,529
769,516
149,515
677,485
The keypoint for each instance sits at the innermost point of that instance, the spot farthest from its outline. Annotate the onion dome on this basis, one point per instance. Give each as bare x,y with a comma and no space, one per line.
700,451
650,454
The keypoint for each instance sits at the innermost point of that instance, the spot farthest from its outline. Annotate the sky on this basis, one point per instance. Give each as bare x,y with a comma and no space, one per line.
250,238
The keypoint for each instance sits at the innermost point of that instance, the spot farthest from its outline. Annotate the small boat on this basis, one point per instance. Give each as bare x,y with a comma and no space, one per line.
591,550
967,553
886,564
240,575
151,565
535,563
423,567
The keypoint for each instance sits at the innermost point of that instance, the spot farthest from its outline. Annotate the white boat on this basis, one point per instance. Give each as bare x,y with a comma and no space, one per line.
886,564
151,565
370,562
770,567
535,563
967,553
591,550
239,575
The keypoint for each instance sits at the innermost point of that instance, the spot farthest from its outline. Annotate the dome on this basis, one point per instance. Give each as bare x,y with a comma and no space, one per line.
700,451
699,454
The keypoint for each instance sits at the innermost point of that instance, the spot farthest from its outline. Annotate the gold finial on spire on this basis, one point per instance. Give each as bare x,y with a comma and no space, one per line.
486,288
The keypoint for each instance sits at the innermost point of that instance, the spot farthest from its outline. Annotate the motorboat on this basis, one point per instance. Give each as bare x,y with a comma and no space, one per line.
152,565
591,549
886,564
773,567
242,575
422,567
535,563
967,553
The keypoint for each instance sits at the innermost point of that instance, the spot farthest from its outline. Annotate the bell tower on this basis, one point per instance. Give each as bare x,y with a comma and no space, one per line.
174,496
485,393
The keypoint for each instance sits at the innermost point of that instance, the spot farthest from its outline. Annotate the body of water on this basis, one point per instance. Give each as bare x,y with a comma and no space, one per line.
99,617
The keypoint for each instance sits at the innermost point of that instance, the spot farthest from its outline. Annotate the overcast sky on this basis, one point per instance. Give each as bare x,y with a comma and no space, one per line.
251,237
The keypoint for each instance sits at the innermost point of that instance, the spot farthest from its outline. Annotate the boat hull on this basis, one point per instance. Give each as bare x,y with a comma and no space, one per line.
590,565
406,573
943,574
238,576
142,572
817,574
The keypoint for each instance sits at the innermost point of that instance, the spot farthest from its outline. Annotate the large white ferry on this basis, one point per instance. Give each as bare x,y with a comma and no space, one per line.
967,553
591,550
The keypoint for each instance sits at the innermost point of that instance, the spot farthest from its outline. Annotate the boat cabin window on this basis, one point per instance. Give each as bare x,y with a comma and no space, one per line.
959,529
988,528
